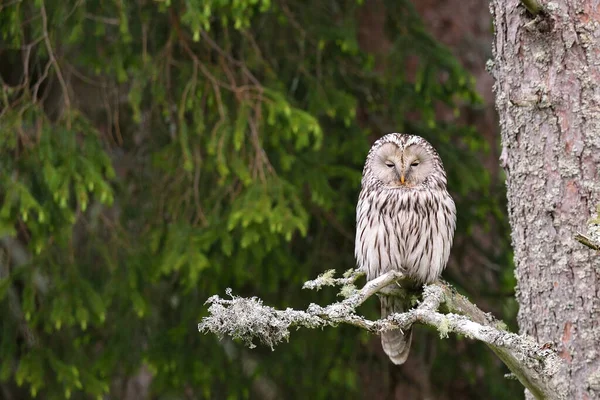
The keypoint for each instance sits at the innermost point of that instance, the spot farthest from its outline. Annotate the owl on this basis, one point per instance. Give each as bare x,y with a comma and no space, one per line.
405,221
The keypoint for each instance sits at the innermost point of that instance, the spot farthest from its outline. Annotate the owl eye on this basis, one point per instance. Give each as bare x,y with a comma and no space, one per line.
415,163
389,164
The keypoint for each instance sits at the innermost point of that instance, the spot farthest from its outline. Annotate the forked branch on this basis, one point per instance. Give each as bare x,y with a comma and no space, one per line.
249,319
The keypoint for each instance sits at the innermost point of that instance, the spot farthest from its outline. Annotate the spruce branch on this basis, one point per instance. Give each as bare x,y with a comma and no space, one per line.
441,307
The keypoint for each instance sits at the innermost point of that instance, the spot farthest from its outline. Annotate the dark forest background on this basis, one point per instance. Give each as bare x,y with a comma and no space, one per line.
154,153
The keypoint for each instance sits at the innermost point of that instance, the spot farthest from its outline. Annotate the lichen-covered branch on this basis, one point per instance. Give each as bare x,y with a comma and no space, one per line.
441,307
327,278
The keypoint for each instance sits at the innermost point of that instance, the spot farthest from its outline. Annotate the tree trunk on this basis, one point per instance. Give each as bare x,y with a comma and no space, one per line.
547,73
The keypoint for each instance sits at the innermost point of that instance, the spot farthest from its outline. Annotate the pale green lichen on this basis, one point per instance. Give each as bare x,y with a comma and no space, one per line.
414,300
248,318
325,279
501,325
444,328
347,291
349,273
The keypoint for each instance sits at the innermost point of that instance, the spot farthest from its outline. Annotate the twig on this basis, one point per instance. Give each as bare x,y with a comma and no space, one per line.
533,6
371,287
585,240
228,56
105,20
53,60
327,279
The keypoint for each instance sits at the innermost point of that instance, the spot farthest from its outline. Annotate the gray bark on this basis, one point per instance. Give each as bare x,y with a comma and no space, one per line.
547,72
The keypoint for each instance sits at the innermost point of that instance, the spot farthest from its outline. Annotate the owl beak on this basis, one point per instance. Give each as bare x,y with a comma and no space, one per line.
402,179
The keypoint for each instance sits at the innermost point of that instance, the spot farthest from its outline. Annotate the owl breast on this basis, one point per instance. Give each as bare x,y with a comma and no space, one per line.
405,230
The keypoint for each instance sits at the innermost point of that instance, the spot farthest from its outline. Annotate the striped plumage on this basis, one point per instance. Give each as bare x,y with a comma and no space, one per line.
405,221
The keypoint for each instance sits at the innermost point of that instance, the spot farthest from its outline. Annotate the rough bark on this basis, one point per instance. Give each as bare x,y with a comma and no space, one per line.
547,72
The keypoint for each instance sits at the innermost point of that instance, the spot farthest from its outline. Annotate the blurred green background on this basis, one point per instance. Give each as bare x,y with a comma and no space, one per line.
154,153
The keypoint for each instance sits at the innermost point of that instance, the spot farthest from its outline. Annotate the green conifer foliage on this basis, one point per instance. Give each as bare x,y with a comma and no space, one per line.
154,153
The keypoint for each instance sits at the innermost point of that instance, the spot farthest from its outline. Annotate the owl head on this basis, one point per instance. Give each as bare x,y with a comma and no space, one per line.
399,161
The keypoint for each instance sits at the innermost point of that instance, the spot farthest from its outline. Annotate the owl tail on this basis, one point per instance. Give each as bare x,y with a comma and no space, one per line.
395,343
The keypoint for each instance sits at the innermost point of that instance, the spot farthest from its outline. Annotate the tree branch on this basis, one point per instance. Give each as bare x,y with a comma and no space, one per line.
533,6
583,239
592,239
247,319
20,257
